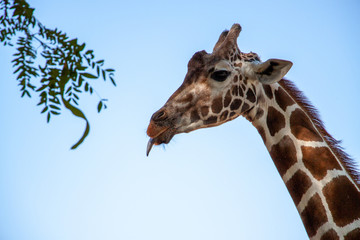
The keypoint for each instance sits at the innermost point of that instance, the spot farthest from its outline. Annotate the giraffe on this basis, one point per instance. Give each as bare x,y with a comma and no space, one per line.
218,87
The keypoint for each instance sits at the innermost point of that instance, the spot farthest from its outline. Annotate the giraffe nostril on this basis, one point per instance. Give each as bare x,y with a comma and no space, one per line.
159,116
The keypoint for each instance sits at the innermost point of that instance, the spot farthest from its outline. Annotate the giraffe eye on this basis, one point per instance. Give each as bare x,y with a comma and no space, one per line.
220,75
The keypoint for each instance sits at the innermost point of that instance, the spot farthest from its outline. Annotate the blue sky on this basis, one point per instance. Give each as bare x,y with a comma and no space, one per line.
217,183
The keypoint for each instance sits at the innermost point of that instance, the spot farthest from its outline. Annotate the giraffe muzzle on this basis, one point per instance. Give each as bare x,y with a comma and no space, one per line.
159,134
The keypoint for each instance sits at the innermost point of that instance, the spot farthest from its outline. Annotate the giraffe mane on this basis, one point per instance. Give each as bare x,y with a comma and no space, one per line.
348,163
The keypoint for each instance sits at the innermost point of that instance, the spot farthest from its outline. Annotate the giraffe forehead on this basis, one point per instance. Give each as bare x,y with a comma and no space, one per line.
202,61
197,60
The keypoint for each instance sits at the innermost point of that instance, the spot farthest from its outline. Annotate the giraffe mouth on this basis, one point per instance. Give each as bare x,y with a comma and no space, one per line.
158,135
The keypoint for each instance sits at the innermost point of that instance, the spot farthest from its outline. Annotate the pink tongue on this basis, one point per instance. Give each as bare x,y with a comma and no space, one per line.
149,146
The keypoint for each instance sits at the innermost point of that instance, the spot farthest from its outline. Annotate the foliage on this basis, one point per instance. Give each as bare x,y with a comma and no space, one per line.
49,63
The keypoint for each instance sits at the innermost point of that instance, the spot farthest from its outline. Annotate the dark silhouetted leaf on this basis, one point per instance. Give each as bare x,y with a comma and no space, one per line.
55,113
99,106
89,75
104,75
112,80
54,107
25,92
41,88
45,109
68,90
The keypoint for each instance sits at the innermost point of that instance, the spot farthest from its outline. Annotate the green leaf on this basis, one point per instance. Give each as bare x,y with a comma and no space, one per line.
99,106
48,117
104,75
110,70
89,75
113,81
73,41
86,87
27,93
77,90
68,90
81,68
81,79
54,100
54,107
31,86
45,109
81,47
55,113
100,62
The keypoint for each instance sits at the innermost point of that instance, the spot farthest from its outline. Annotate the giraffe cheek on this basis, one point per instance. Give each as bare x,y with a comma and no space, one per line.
227,99
217,105
235,105
194,116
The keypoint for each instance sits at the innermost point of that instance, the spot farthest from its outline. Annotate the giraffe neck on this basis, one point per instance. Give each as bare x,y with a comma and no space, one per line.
316,172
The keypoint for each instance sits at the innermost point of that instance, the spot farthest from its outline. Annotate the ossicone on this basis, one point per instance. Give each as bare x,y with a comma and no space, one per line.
228,39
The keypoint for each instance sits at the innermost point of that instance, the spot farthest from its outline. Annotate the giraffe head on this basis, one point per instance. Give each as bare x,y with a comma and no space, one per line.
217,88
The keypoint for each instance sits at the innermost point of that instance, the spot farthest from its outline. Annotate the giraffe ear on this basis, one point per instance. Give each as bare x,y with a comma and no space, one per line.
271,71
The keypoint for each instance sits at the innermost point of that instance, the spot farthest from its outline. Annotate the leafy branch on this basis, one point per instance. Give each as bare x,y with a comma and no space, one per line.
49,63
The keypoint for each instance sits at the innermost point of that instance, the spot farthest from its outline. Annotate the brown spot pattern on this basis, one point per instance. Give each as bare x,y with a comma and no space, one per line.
238,64
343,200
302,128
235,90
353,235
227,99
232,114
262,133
274,120
245,107
314,215
319,160
330,235
224,115
298,185
240,92
217,105
268,91
236,78
235,104
283,99
210,120
250,95
204,111
243,87
259,113
283,154
194,116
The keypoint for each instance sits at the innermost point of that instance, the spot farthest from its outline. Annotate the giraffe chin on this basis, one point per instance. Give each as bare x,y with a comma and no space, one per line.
162,138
